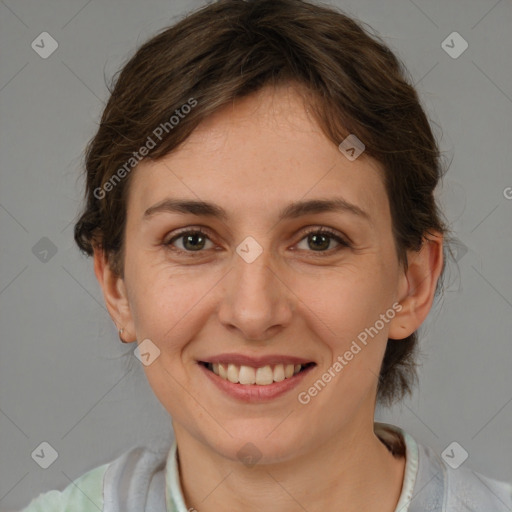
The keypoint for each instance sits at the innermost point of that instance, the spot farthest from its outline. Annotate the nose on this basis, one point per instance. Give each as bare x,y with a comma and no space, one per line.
256,302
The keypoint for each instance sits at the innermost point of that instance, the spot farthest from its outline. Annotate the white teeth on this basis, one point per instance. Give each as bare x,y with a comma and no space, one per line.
223,371
278,373
247,375
233,372
264,376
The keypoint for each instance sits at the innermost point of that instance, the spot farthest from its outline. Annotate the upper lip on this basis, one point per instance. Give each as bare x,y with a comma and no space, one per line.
255,362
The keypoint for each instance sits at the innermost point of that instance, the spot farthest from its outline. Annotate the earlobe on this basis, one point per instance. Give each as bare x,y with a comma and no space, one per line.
417,286
114,294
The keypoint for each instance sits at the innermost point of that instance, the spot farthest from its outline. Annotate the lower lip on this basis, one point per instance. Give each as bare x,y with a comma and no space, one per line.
254,392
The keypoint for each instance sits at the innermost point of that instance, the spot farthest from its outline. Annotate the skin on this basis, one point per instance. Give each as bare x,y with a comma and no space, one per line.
297,298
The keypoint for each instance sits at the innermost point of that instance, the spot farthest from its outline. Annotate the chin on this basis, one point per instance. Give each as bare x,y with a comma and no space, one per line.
260,444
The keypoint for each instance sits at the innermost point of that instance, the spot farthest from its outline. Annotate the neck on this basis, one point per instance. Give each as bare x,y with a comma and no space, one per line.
353,469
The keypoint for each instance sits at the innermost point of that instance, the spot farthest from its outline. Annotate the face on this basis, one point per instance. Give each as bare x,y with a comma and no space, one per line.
259,285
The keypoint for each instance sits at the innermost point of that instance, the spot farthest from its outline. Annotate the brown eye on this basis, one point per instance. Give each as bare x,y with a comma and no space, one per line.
189,241
320,240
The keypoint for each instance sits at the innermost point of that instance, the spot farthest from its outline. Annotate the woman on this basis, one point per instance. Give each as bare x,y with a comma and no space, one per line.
261,214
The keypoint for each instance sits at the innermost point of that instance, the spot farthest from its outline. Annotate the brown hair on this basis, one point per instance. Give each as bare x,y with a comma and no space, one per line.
352,82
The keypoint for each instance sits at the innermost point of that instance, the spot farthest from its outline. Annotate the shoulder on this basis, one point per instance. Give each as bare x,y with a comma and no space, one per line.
99,488
461,488
465,487
85,494
434,483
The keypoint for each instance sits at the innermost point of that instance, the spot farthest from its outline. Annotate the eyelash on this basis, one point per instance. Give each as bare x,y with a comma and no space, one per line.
343,244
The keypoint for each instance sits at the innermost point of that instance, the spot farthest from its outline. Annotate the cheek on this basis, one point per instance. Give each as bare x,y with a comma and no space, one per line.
342,311
345,301
166,303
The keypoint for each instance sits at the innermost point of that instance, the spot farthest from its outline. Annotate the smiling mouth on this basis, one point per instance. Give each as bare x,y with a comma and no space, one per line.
248,375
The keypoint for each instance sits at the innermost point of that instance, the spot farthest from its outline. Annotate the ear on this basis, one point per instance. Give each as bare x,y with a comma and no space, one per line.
115,295
417,286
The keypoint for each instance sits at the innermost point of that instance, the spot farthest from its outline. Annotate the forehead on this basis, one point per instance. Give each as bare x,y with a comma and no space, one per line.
257,154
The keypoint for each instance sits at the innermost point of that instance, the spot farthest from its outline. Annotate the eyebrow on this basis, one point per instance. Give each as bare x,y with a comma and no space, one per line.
292,211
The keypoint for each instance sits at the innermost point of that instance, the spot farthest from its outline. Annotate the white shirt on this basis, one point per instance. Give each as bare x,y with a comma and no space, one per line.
142,480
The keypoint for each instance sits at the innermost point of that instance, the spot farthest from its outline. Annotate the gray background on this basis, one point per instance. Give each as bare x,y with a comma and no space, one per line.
63,376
